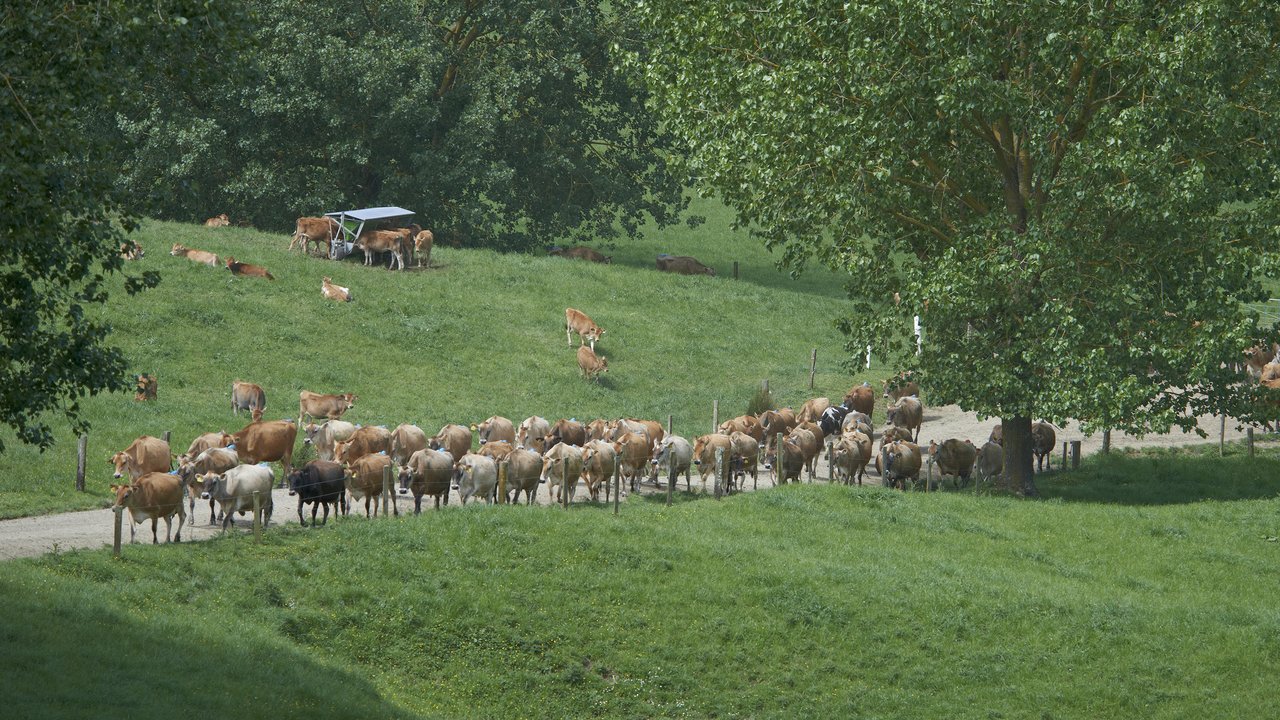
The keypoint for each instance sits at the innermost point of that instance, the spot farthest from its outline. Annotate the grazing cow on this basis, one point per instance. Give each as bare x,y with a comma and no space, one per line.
331,291
524,473
405,441
422,243
247,396
907,413
899,386
145,454
319,482
428,472
475,476
365,441
745,451
989,463
326,436
861,399
267,442
498,450
317,230
847,460
363,479
235,488
199,256
456,439
533,433
571,432
239,268
955,458
206,441
146,388
673,448
1043,440
211,460
704,455
221,220
152,496
599,462
375,241
633,451
997,435
789,464
813,409
899,461
315,405
495,428
683,264
748,424
579,252
576,321
561,467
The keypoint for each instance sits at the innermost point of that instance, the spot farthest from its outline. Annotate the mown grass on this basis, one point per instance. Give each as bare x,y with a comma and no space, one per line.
804,601
479,335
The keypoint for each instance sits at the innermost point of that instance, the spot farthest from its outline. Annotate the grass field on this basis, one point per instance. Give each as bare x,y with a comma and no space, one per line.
479,335
805,601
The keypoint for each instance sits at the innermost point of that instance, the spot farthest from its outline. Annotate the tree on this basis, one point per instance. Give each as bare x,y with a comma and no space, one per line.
503,123
1075,197
62,227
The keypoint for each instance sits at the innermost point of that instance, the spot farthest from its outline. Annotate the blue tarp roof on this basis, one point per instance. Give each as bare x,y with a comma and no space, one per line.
378,213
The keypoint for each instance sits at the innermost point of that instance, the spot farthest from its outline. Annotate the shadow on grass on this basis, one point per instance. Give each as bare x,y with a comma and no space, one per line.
1167,477
74,655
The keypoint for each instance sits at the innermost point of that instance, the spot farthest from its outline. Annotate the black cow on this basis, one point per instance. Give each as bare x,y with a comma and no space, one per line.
319,482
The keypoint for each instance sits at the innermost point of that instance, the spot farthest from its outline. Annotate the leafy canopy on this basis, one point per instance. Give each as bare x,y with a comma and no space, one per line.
1074,196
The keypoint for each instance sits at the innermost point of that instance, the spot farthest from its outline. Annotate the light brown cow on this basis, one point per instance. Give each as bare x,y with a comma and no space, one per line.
576,321
599,461
147,388
221,220
598,429
788,465
200,256
456,439
813,409
561,466
862,442
364,441
315,405
131,250
206,441
152,496
428,472
745,451
592,365
317,230
899,386
239,268
364,480
495,427
327,435
533,433
846,460
650,428
267,442
405,441
861,398
748,424
683,264
216,460
808,437
524,471
899,462
704,455
496,450
633,451
334,292
776,422
375,241
990,462
248,396
422,243
145,454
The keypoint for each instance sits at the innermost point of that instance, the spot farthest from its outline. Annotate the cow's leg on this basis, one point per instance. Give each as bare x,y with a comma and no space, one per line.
155,525
213,516
568,334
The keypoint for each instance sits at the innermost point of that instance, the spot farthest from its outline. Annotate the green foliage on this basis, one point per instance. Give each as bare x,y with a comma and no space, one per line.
503,124
761,401
1074,197
813,601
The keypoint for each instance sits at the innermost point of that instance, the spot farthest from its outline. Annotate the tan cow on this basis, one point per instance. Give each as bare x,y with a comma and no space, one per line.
495,427
456,439
374,241
317,230
152,496
598,429
524,472
422,243
326,436
364,441
561,467
704,455
599,462
533,433
787,464
145,454
405,441
748,424
813,409
364,480
475,476
861,398
331,291
315,405
808,437
239,268
199,256
206,441
576,321
674,455
745,451
857,453
267,442
633,451
989,463
428,472
651,428
496,450
683,264
248,396
221,220
566,431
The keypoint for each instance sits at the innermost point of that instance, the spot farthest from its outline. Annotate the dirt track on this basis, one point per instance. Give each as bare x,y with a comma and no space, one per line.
27,537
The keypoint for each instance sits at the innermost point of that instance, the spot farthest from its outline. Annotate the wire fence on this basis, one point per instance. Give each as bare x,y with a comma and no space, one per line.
1268,312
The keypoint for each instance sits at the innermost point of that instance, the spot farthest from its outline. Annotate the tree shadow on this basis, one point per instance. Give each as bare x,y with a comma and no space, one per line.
1168,477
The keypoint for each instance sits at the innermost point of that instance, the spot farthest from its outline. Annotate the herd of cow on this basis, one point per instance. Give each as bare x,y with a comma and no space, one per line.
230,469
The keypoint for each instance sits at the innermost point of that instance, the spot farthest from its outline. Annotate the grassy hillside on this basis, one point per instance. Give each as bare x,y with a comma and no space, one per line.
805,601
481,334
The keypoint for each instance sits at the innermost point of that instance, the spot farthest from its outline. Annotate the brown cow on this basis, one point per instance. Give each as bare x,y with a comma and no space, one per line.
406,440
145,454
239,268
576,321
422,243
704,455
808,437
579,252
683,264
374,241
791,463
428,472
524,471
200,256
907,413
1257,357
318,230
953,457
248,396
456,439
599,461
364,441
745,458
651,428
364,480
334,292
267,442
899,386
315,405
775,422
861,398
216,460
1043,439
221,220
633,452
813,409
598,429
207,441
495,427
153,496
147,387
747,424
591,364
899,462
570,432
561,468
496,450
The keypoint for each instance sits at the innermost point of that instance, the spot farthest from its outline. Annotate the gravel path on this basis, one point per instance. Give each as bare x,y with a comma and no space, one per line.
29,537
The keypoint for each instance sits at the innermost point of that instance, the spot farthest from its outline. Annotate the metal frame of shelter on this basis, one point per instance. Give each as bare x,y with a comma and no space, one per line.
351,223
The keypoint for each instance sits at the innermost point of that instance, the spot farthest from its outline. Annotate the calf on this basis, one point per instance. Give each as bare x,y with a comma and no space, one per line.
475,476
146,388
152,496
199,256
363,479
682,264
319,482
239,268
906,413
592,365
144,455
955,458
364,441
599,462
524,472
234,491
422,243
674,455
374,241
315,405
428,472
331,291
576,321
326,436
495,428
562,466
578,252
247,396
456,439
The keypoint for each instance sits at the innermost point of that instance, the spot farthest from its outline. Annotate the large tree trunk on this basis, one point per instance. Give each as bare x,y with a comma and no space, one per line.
1018,468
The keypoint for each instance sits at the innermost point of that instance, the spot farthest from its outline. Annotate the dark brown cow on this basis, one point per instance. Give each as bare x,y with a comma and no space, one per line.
239,268
861,398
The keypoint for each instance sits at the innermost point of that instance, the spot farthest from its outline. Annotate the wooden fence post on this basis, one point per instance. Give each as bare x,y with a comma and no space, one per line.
777,459
165,437
1075,454
1222,436
82,451
115,546
1064,454
735,269
813,366
668,424
257,516
1249,439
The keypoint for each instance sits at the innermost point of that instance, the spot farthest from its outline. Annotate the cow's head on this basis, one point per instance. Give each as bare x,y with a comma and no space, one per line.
178,249
122,493
406,478
122,462
295,479
350,399
340,451
311,430
211,481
